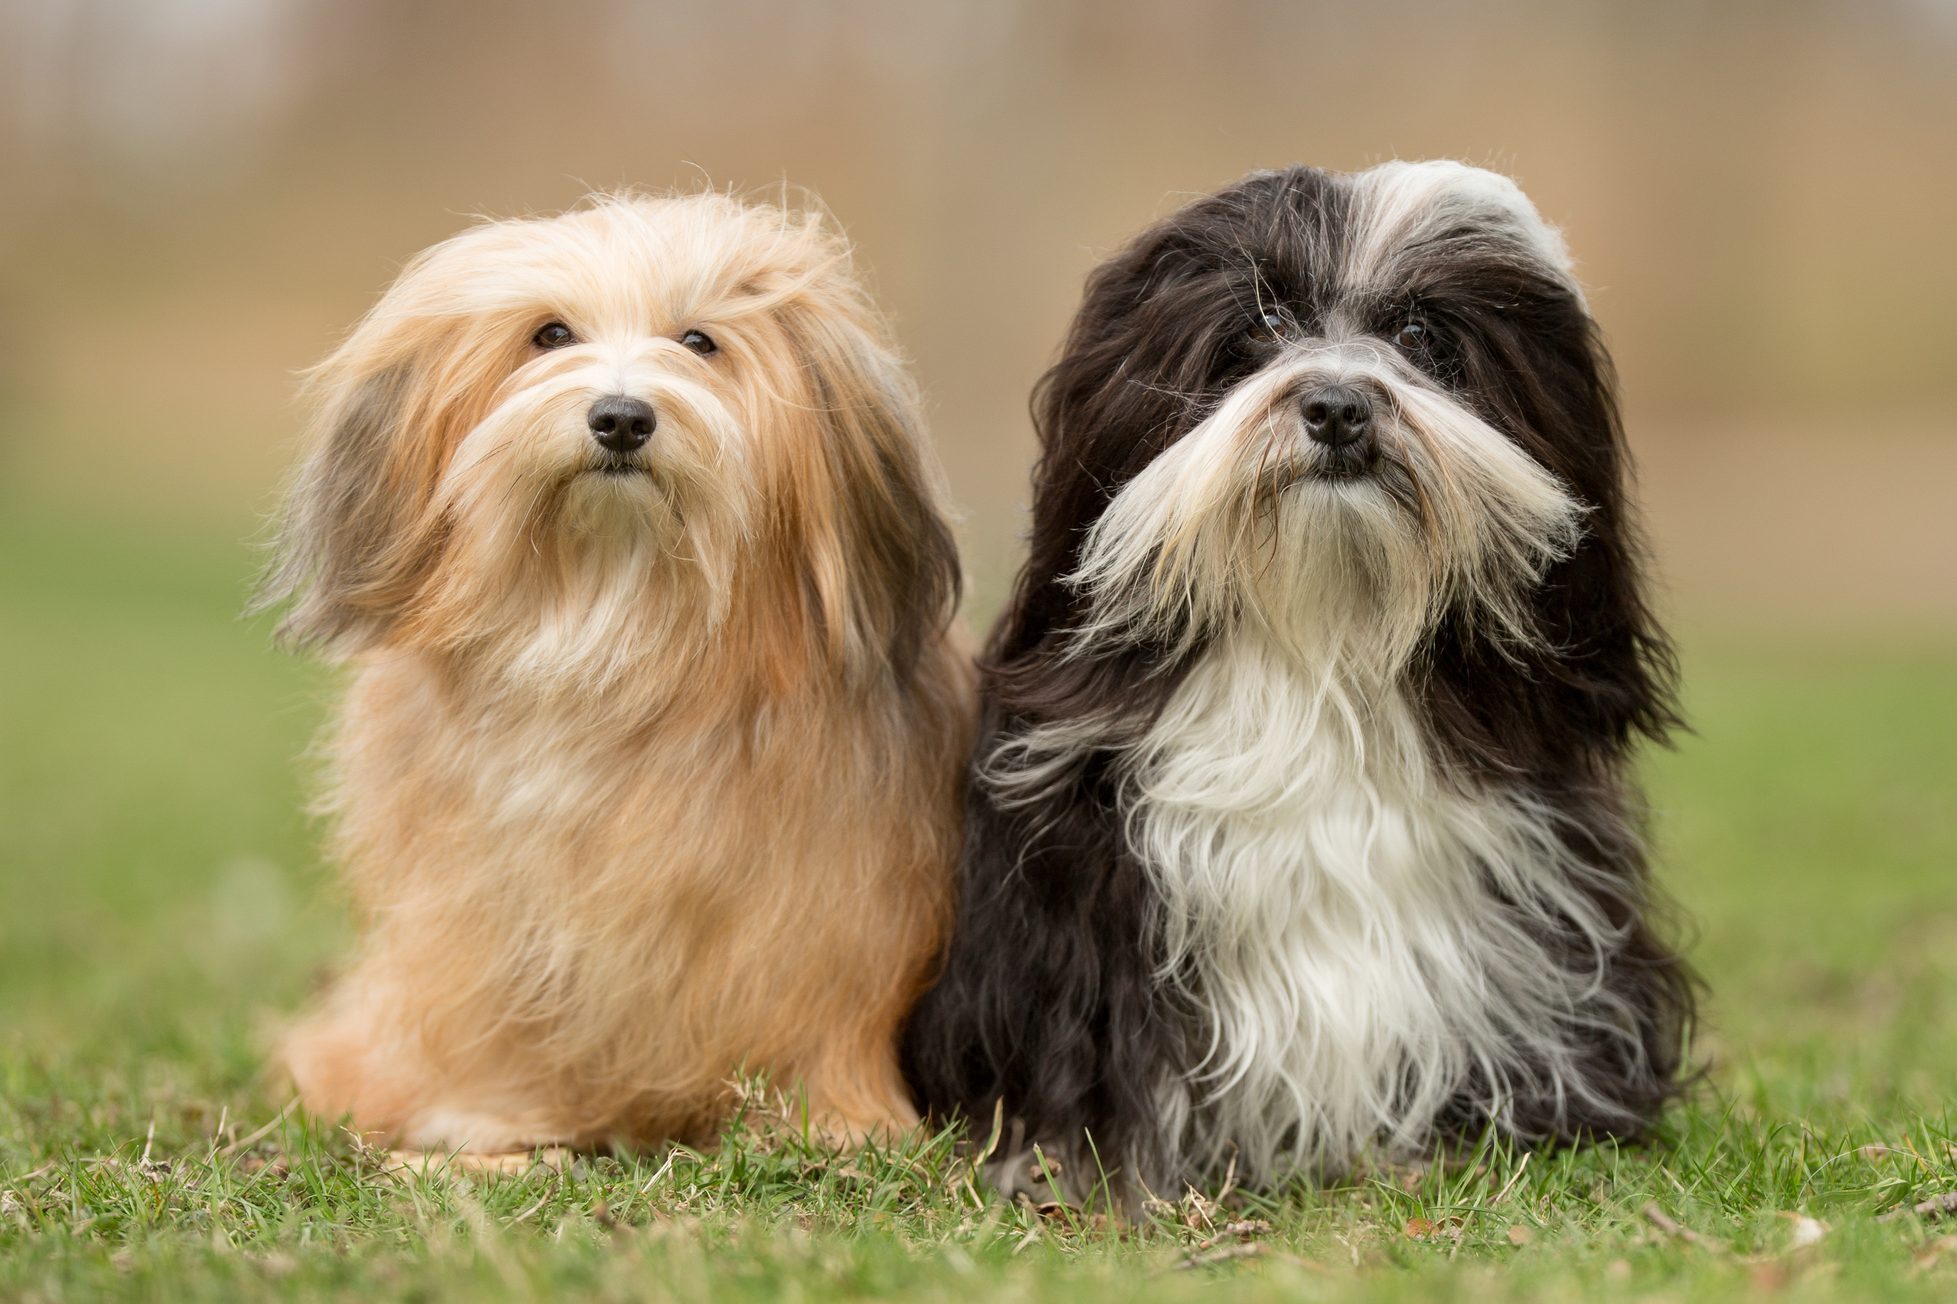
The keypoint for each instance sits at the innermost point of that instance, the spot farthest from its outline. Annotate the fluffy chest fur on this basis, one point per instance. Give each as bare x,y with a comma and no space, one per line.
1367,947
632,846
619,915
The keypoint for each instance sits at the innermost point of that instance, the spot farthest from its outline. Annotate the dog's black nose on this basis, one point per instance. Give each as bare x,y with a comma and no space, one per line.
1337,415
621,423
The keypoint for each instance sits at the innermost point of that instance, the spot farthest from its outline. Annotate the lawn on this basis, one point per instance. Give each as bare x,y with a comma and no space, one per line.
161,908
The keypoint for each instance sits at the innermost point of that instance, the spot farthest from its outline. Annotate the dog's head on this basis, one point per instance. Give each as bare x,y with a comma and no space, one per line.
1366,414
555,441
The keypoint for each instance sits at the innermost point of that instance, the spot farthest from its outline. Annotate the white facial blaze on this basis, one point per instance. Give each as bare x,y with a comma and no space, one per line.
1399,204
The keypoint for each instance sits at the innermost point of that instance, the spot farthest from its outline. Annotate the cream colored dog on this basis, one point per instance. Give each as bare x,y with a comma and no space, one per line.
648,769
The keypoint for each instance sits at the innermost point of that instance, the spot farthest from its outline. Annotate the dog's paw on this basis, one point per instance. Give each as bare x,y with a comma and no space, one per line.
433,1163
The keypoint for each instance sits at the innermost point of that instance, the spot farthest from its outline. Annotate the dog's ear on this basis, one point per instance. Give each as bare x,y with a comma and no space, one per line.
357,536
1153,335
879,560
1603,673
1617,668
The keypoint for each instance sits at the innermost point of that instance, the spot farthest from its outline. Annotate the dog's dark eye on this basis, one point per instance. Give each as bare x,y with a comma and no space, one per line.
1276,321
700,342
1414,336
553,335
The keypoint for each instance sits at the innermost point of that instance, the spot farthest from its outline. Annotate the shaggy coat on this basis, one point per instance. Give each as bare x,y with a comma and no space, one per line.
1302,831
647,769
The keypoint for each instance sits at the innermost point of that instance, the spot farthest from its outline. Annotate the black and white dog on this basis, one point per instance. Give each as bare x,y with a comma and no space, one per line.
1301,831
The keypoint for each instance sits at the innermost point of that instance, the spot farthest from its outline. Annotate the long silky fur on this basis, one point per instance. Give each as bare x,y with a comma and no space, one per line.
643,779
1301,830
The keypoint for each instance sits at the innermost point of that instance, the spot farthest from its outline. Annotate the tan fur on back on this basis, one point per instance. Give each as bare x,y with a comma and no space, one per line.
639,780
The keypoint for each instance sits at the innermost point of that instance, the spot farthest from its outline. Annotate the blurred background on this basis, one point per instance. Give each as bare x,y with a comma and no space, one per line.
201,195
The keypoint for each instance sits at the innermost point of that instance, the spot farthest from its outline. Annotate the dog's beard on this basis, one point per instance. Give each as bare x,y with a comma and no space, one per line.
564,567
1244,521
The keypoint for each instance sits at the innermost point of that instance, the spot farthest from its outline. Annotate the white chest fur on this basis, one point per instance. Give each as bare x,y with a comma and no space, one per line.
1363,938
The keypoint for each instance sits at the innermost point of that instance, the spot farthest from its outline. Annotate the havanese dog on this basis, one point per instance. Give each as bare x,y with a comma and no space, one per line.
1301,833
648,770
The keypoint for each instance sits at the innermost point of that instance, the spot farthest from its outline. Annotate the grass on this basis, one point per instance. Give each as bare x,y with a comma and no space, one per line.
161,908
